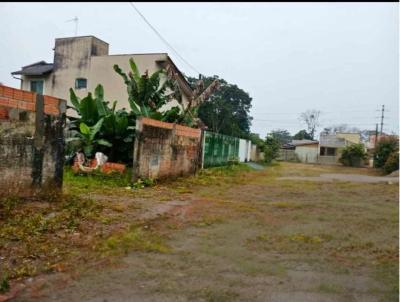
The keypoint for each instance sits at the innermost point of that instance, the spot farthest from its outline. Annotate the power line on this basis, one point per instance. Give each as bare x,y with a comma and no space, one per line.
162,38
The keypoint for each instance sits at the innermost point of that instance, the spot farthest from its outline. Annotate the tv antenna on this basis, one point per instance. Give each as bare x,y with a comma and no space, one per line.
76,20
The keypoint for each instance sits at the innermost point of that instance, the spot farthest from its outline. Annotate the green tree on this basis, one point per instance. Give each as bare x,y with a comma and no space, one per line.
302,134
227,111
392,163
353,155
384,148
256,139
282,136
271,148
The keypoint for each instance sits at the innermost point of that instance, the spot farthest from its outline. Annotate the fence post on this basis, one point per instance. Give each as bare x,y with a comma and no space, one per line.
136,149
202,147
38,143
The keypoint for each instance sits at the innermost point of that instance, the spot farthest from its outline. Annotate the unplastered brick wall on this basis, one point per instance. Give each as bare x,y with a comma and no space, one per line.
31,142
165,150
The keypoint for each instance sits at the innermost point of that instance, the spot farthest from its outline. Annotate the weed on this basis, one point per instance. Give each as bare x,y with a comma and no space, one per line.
136,239
4,284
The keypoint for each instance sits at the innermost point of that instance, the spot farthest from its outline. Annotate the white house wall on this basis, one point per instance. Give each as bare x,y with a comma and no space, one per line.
242,150
307,154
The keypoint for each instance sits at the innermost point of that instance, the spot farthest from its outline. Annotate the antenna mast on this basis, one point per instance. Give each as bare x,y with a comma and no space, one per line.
76,20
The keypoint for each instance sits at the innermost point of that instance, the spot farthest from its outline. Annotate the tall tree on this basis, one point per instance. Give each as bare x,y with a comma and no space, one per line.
302,134
280,135
311,119
227,111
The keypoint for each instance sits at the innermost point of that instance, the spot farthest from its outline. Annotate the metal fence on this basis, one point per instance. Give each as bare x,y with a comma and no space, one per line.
219,149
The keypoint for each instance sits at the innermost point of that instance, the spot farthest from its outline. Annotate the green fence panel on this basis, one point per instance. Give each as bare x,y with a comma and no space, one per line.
219,149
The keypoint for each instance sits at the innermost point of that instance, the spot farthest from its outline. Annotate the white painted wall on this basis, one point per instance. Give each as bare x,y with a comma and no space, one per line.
244,150
307,154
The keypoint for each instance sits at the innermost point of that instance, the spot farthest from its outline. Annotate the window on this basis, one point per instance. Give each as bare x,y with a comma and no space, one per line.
37,86
331,151
80,83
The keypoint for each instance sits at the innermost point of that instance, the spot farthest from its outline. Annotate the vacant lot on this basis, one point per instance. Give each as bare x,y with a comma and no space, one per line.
226,235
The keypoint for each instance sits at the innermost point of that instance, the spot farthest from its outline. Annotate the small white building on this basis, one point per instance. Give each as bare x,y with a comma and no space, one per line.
306,150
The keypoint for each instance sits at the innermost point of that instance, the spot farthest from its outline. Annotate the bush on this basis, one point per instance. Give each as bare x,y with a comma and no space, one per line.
353,155
271,149
392,163
384,148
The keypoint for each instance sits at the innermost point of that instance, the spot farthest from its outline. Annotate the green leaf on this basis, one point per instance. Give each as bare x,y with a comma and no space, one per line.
121,73
96,128
99,98
84,129
74,100
88,110
135,70
104,142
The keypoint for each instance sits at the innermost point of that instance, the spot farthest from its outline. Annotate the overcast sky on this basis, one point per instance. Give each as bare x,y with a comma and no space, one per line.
340,58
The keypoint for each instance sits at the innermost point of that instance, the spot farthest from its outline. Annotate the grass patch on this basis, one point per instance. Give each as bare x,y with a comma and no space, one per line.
137,238
329,288
388,273
95,182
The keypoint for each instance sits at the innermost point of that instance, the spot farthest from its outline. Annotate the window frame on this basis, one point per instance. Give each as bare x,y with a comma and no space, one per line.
80,79
36,80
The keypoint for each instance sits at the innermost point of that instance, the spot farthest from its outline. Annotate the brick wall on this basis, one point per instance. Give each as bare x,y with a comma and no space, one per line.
31,142
165,150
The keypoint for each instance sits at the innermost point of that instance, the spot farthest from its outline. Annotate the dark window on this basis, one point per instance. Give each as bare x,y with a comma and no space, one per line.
37,86
80,83
322,151
331,151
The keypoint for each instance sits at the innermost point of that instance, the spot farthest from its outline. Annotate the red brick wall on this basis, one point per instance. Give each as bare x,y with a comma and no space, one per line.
165,150
31,148
26,100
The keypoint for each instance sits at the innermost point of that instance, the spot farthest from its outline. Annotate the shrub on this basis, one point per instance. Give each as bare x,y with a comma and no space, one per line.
392,163
384,148
271,149
353,155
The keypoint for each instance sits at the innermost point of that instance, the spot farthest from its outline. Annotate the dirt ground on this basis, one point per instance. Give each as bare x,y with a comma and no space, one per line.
243,236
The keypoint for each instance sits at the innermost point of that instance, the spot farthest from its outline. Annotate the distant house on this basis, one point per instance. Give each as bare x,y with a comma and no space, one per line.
330,145
84,62
304,150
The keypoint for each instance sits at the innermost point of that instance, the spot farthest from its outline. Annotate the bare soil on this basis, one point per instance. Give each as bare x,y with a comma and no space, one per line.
249,236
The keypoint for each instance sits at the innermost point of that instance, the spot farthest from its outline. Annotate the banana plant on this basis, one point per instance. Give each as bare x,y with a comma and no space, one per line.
146,94
86,138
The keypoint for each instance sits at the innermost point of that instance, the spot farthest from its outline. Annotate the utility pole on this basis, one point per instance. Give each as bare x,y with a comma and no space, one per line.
382,116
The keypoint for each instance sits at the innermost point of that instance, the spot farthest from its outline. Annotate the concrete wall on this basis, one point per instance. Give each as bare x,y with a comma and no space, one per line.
244,150
287,155
307,153
31,142
354,138
164,150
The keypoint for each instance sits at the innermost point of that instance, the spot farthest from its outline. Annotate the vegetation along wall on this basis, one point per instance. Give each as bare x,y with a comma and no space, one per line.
31,142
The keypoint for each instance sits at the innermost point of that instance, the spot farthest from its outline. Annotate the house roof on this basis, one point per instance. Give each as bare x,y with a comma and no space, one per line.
35,69
302,142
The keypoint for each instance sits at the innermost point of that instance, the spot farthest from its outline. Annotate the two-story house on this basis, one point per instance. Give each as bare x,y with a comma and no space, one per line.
84,62
330,145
